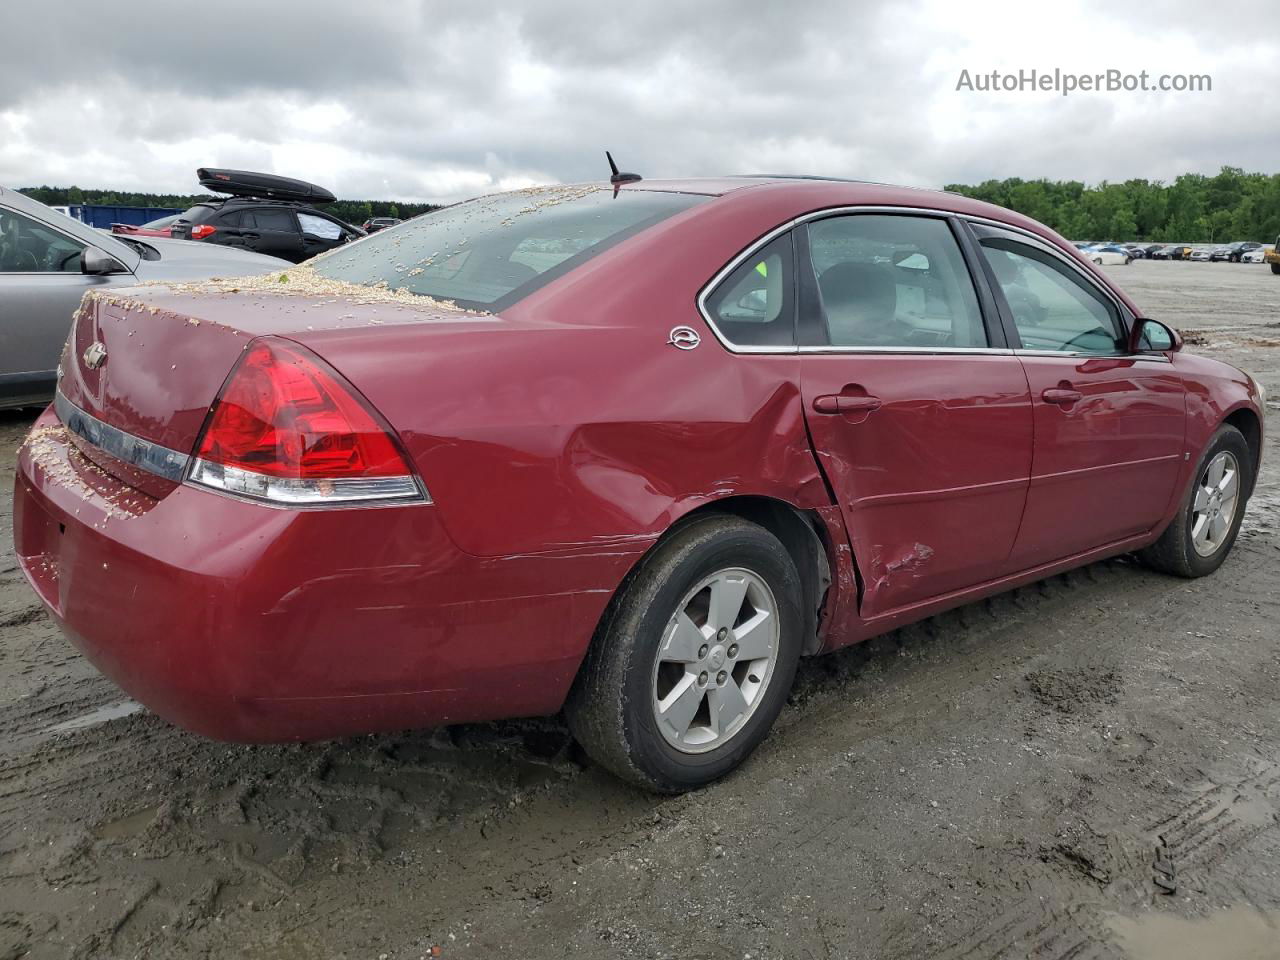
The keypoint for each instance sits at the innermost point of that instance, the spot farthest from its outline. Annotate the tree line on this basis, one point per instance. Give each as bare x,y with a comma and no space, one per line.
1231,205
1194,208
352,211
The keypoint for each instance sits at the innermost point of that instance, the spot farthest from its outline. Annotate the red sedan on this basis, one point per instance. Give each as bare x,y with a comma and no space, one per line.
630,451
156,228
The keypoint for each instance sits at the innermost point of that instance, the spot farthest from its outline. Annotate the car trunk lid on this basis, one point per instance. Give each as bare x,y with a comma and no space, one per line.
150,361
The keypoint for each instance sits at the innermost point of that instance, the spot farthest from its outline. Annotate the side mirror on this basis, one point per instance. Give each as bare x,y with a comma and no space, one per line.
1152,336
99,264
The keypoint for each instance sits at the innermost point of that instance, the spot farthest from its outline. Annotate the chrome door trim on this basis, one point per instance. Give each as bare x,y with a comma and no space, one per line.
791,224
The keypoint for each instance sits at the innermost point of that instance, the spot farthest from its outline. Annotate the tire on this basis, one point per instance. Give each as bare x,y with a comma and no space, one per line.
1176,551
1097,261
614,704
1275,268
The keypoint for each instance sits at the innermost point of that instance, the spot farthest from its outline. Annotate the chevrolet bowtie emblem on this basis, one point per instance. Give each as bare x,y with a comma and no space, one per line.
95,355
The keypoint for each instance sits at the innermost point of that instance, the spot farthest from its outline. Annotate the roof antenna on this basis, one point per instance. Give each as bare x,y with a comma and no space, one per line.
617,177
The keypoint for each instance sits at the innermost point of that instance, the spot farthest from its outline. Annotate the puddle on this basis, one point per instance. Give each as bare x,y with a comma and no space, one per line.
114,711
1240,933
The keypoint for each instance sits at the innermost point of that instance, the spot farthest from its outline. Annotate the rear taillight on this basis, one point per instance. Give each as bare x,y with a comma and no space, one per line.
202,230
288,429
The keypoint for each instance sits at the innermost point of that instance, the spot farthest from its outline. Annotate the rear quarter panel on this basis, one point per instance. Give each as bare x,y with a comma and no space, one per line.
572,422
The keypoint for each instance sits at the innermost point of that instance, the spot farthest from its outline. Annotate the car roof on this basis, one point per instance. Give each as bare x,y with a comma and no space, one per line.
806,194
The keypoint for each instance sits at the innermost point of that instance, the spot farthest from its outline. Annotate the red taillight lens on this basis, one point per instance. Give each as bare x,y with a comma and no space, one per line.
202,230
288,428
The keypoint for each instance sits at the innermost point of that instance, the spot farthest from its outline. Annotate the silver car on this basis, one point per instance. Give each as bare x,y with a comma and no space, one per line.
49,261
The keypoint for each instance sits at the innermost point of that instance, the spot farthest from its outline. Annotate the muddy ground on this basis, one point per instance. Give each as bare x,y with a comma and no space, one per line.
1085,768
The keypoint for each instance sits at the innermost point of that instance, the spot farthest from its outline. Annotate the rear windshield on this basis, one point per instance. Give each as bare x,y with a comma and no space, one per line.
490,252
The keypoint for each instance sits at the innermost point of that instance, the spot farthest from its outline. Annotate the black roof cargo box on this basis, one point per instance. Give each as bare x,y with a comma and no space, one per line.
245,183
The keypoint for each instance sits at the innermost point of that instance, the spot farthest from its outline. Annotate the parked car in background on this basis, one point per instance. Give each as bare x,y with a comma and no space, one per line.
266,214
1151,249
48,261
1202,254
1257,255
1180,251
1108,255
1234,252
1136,251
803,420
1272,256
380,223
156,228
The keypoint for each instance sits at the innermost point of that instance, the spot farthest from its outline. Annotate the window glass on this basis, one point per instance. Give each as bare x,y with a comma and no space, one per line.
28,246
281,220
753,306
1053,307
320,227
489,252
894,281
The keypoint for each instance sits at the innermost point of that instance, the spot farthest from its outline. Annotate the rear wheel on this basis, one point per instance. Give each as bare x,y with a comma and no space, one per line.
693,662
1275,268
1201,535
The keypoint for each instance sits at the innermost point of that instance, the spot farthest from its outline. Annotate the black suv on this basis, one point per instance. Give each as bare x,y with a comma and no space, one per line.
266,214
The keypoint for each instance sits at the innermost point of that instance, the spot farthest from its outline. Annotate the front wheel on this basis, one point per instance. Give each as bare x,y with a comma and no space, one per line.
693,661
1201,535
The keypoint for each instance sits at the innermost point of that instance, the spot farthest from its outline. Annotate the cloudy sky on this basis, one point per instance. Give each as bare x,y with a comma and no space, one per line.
416,100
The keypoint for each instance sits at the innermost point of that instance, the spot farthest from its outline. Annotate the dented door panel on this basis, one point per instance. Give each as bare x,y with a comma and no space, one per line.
932,482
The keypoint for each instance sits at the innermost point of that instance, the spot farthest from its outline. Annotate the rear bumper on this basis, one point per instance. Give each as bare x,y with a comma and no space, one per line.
251,623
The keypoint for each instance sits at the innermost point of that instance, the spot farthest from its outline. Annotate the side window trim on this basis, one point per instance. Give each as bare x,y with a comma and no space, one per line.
811,326
981,229
727,271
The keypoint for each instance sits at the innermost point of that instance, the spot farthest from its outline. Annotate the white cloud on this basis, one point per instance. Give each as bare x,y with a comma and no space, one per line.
423,101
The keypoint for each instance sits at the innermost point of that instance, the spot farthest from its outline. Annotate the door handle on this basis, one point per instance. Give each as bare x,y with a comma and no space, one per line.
836,403
1063,396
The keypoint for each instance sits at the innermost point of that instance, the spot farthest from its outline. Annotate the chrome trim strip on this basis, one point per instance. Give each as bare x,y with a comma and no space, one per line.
727,269
910,351
143,454
285,492
1153,357
733,264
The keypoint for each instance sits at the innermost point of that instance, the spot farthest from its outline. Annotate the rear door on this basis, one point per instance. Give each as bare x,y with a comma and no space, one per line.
1109,425
919,414
273,231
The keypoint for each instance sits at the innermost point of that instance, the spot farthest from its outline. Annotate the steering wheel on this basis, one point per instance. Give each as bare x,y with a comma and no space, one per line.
1088,333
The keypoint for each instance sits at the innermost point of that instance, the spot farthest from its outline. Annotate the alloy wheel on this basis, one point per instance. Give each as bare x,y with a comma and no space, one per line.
1213,510
715,661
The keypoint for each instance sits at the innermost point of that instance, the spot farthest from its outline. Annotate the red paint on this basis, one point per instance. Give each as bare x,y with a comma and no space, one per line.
559,442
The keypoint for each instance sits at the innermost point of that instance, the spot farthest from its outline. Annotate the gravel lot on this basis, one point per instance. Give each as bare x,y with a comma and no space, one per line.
1085,768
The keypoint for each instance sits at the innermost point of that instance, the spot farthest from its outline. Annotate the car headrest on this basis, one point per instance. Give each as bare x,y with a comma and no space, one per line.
865,291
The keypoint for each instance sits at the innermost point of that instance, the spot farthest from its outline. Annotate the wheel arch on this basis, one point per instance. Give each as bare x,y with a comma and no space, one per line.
802,532
1247,422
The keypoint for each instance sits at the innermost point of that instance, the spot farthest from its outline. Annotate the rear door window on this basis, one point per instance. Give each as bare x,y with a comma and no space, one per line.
267,219
886,281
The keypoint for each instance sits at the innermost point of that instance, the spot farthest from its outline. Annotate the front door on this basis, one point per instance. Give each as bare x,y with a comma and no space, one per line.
40,288
1109,426
922,424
